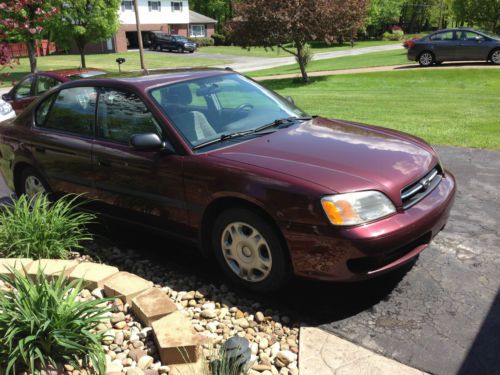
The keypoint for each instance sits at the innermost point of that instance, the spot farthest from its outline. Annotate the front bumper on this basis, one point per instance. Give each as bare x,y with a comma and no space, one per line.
350,254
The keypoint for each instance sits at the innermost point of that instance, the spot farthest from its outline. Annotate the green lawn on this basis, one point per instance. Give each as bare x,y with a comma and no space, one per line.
453,107
397,57
278,52
107,62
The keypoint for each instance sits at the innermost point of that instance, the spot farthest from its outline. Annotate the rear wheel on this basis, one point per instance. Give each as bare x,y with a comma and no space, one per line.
250,251
426,59
32,183
495,57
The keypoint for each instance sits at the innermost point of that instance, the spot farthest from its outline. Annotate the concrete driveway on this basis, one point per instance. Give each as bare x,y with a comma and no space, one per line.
442,315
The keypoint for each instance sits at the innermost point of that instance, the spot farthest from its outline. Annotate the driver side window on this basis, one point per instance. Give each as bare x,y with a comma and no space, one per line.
122,114
24,88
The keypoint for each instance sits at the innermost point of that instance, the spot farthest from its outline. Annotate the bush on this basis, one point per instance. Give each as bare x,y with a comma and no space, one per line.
35,228
394,35
202,42
219,39
42,323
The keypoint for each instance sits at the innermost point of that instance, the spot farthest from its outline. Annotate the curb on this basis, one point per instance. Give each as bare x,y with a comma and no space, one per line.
149,305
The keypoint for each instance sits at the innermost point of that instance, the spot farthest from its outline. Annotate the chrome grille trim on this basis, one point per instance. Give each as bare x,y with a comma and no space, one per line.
417,191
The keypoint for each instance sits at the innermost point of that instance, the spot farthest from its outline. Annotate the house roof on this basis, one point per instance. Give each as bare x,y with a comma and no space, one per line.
199,18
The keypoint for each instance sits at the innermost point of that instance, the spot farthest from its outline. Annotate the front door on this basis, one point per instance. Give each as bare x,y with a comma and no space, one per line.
444,45
472,46
138,186
62,139
22,94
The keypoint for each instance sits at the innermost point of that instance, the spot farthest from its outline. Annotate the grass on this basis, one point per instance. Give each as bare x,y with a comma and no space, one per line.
107,62
451,107
316,47
373,59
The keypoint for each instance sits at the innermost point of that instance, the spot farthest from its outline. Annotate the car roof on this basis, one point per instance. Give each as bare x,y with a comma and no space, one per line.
143,81
66,73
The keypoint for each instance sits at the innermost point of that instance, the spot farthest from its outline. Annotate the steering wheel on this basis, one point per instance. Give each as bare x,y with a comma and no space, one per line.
241,108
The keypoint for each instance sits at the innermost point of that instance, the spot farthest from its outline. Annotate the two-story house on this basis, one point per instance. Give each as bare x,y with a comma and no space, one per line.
173,17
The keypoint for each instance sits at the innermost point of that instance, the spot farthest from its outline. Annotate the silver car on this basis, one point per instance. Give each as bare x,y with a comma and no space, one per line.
461,44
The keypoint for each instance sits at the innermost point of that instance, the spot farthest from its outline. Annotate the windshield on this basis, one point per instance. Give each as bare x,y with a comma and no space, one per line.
207,108
181,39
490,34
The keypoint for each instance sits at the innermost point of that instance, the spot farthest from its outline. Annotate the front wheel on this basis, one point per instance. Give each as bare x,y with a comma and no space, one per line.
32,183
250,251
180,50
426,59
495,57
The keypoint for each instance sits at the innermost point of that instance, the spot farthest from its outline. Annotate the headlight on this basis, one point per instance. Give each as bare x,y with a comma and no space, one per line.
5,108
356,208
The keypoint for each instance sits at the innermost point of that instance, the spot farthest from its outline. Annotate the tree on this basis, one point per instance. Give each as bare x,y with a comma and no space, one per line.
269,23
484,13
221,10
382,14
25,20
84,21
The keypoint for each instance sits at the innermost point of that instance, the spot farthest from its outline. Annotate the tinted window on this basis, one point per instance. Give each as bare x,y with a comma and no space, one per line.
24,88
448,35
44,84
73,111
43,110
467,35
122,114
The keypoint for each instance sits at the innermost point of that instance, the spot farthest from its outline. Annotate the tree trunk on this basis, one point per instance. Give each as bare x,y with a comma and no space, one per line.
300,60
80,44
32,54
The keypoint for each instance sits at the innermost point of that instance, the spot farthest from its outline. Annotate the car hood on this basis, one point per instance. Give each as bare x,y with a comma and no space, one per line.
338,155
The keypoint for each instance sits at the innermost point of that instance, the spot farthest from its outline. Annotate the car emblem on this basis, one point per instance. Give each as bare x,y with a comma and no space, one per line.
426,184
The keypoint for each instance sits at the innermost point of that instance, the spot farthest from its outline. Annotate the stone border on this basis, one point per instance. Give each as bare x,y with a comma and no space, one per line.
178,344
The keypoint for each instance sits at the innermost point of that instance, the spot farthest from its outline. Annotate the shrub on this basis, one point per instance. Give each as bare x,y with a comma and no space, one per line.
42,323
219,39
35,228
394,35
202,42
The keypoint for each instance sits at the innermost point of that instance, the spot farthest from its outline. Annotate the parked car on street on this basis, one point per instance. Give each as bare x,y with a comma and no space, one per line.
461,44
35,84
163,41
6,111
218,160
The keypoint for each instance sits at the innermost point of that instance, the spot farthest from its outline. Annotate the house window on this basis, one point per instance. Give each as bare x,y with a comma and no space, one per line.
176,6
127,5
154,6
198,31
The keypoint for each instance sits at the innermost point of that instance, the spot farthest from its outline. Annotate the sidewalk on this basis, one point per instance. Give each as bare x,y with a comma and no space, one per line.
322,353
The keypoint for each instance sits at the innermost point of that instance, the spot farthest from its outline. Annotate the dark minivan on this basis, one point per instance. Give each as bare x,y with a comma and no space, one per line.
163,41
461,44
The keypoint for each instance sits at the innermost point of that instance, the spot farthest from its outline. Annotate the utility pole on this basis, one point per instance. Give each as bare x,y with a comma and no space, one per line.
139,36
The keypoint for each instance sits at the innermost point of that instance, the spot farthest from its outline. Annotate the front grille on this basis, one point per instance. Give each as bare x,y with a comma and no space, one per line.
417,191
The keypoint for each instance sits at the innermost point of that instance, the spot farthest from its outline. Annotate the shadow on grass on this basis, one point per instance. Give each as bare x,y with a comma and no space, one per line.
287,83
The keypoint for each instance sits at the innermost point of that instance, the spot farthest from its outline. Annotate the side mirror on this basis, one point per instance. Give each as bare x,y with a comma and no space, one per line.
290,99
478,39
146,142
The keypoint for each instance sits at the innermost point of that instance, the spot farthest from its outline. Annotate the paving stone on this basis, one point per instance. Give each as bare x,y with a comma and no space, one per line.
322,353
19,264
176,340
125,285
152,305
51,267
94,274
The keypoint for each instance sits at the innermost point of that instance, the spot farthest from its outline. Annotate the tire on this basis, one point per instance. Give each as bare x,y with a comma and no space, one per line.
31,182
426,59
180,50
191,51
258,244
495,57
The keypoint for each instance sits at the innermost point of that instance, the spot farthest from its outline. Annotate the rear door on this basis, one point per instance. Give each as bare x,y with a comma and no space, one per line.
472,46
141,186
444,45
62,139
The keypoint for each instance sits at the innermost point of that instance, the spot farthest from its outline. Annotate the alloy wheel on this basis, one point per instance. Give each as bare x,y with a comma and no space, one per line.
246,252
426,59
495,57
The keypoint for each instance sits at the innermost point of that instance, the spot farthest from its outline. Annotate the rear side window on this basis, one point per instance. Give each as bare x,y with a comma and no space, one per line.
122,114
44,84
448,35
72,111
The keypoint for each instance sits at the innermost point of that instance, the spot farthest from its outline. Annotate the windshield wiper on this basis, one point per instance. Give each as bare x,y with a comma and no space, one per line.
273,124
281,121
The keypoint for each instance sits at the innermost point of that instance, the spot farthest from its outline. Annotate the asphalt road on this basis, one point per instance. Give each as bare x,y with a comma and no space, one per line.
441,315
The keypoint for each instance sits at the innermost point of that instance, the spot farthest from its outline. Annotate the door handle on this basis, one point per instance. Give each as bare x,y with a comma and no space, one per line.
103,162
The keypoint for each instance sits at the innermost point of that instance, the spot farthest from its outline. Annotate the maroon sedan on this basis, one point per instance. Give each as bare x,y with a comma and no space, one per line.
212,157
36,84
